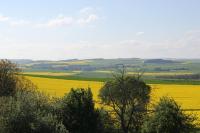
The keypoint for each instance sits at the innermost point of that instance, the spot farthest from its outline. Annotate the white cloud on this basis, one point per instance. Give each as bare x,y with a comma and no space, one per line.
86,16
187,46
19,23
3,18
130,42
59,21
89,19
13,22
87,10
139,33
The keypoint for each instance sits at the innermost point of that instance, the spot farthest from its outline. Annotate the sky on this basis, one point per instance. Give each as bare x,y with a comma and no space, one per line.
68,29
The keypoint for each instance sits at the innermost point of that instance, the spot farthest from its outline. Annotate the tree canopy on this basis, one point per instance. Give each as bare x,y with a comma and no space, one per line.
78,112
127,96
8,77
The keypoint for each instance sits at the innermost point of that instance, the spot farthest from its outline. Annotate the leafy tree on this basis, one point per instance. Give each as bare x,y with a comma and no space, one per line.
8,78
11,81
78,112
169,118
127,97
22,108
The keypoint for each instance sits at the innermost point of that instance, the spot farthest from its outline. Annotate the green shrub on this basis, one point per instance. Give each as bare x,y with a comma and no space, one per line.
78,112
28,112
169,118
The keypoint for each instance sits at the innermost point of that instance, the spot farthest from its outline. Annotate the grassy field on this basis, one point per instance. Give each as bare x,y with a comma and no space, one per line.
89,77
152,73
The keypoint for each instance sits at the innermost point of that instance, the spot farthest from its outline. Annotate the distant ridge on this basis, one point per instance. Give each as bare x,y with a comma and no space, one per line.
160,61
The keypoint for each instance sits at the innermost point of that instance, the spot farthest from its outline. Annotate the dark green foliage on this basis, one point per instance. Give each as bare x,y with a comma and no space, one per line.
106,122
169,118
22,108
49,124
28,112
128,97
79,114
8,78
11,81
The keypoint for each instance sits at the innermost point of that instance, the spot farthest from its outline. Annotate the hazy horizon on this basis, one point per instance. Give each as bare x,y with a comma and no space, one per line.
64,29
100,58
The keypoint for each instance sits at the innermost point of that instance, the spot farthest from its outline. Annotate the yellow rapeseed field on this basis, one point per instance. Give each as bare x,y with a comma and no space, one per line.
58,87
53,73
188,96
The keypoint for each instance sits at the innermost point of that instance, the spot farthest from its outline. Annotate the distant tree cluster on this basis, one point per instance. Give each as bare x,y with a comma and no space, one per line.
124,108
184,76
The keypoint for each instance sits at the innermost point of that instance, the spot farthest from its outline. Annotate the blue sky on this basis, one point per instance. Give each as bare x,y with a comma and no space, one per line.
64,29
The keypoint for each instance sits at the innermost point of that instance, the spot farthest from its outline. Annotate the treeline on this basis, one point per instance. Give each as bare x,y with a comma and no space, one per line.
184,76
123,108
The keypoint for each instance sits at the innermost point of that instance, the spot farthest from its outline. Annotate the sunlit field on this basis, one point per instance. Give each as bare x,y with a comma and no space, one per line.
53,73
186,95
58,87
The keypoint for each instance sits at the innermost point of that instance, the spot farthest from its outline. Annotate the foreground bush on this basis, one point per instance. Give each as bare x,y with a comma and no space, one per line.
28,112
79,115
169,118
25,110
108,125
